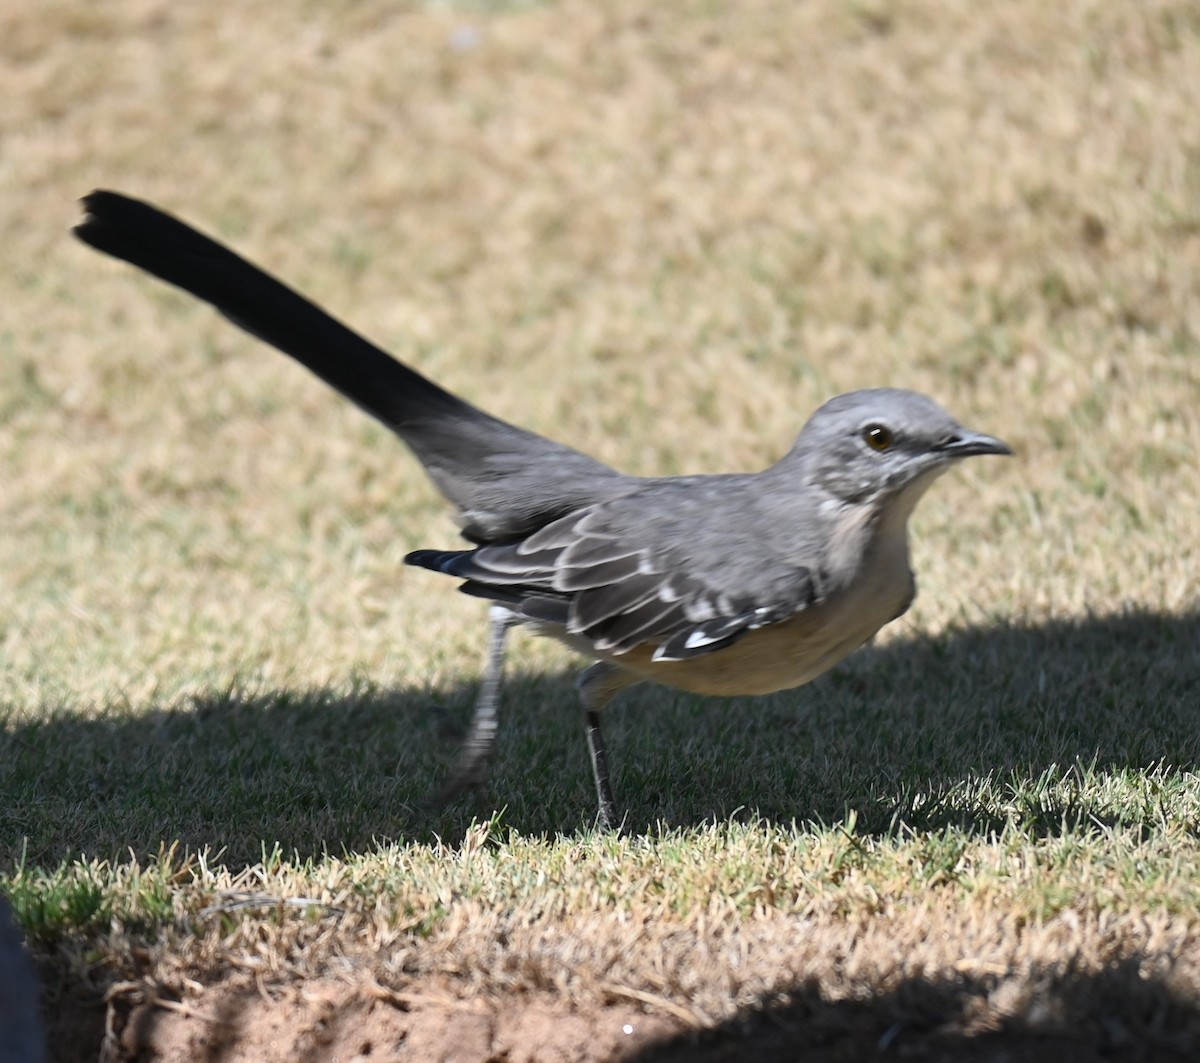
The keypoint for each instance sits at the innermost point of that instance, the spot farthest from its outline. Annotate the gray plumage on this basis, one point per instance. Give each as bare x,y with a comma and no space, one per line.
724,584
671,562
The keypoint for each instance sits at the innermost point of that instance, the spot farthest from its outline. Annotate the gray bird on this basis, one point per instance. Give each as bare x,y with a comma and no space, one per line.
721,584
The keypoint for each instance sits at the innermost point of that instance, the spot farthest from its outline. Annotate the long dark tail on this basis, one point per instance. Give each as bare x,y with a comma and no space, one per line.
505,481
163,245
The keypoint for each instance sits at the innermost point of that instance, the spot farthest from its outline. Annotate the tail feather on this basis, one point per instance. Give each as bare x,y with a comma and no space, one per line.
173,251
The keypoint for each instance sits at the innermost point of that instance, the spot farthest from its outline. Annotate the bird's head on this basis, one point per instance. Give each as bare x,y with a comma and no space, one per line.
884,444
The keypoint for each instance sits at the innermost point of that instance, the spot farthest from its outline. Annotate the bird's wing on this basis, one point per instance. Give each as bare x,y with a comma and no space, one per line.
653,567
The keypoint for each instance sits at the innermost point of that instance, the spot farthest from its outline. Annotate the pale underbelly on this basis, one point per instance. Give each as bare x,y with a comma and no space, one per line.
776,657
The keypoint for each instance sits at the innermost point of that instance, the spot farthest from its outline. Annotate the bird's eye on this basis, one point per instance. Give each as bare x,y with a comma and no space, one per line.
878,437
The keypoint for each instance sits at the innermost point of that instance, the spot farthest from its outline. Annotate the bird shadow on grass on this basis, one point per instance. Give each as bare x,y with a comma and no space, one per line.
927,731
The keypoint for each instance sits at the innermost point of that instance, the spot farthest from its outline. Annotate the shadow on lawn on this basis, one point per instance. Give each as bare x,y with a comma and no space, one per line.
890,734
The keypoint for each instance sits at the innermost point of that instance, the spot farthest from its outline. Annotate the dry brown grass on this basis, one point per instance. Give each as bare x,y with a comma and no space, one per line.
664,232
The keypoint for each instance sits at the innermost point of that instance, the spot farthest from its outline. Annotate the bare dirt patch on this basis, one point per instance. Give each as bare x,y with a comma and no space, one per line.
333,1022
237,1021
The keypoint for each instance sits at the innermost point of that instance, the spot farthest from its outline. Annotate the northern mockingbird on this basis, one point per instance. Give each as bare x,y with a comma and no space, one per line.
720,584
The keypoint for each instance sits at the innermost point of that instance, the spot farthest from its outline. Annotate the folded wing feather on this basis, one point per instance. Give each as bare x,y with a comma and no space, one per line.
621,578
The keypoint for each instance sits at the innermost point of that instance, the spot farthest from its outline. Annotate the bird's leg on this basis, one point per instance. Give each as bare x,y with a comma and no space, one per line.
476,749
599,752
597,685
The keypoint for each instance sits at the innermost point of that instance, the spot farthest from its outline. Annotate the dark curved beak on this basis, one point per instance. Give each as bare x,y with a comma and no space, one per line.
965,444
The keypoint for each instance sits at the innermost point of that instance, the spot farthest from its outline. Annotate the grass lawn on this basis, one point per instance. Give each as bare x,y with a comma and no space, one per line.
665,234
